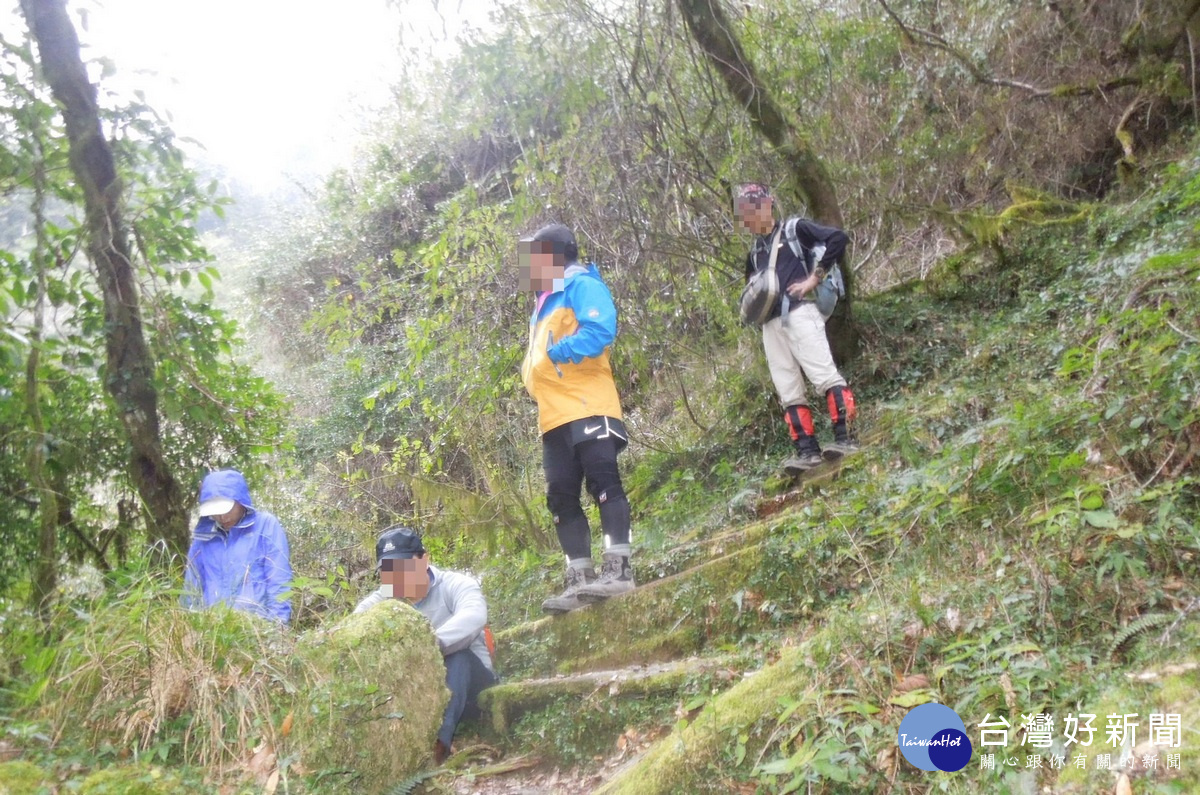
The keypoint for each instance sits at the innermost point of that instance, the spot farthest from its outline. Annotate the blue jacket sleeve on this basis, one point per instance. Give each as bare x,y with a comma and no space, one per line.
279,572
193,589
592,303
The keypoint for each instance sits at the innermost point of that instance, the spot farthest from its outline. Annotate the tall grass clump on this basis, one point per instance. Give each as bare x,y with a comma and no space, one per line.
358,701
145,675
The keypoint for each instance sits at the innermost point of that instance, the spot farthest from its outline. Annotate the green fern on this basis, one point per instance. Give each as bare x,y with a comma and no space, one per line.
409,785
1122,639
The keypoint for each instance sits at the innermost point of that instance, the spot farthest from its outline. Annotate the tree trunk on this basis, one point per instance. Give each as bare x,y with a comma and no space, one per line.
1163,26
45,568
709,26
130,369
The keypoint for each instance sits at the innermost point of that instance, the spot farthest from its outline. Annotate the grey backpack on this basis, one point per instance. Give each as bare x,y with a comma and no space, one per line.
829,289
761,292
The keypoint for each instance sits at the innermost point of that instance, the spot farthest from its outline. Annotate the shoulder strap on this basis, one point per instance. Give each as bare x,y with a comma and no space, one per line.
809,256
789,232
774,251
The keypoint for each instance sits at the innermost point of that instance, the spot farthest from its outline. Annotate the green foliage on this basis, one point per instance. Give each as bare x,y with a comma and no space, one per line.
576,730
134,780
831,735
1028,499
215,411
195,687
28,654
610,128
137,675
1144,624
1025,513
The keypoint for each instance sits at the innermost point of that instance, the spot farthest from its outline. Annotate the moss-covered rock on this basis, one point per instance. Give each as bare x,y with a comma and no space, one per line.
134,780
374,697
22,778
658,621
507,702
681,762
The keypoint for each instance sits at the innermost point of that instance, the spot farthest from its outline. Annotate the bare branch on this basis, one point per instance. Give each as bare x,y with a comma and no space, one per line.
931,39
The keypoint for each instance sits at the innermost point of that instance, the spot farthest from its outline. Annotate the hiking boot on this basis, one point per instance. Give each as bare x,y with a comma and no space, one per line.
843,447
808,452
841,414
568,600
440,752
616,577
802,462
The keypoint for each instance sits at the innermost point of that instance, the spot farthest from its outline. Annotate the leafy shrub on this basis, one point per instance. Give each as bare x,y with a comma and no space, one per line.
134,780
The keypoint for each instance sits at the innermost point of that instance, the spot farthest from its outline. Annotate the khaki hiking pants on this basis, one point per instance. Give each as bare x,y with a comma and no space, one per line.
798,349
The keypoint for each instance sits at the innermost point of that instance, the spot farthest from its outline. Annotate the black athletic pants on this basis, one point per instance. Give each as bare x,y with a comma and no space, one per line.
568,465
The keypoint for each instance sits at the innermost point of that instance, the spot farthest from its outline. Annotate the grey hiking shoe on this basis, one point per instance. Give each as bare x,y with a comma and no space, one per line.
568,600
847,446
802,462
616,577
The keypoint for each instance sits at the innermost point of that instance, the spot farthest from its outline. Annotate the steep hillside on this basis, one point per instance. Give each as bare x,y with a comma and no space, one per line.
1019,539
1018,542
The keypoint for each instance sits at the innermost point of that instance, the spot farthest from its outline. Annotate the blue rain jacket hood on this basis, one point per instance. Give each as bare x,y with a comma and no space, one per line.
247,567
227,484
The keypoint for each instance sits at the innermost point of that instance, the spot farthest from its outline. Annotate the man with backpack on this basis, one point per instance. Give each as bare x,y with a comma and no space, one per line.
803,255
454,604
566,370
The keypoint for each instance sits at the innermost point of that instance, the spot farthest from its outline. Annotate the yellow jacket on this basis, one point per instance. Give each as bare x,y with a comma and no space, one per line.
566,368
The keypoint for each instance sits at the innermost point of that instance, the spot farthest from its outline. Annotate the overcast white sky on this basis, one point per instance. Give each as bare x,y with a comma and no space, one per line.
263,82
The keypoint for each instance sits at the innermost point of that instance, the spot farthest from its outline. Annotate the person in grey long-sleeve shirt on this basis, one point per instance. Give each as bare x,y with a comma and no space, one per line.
454,604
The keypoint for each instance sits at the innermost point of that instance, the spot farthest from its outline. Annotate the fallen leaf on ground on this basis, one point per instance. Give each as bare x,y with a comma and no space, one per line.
912,682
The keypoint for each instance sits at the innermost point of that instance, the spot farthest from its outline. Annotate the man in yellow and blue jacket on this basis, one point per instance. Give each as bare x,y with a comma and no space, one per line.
567,371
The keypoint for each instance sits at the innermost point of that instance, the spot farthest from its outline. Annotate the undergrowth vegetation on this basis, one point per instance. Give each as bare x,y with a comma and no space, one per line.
1018,537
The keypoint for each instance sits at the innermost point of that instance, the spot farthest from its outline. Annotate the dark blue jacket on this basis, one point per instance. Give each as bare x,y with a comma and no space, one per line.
246,568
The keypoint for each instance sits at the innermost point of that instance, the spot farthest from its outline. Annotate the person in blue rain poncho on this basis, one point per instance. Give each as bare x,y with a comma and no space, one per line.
239,554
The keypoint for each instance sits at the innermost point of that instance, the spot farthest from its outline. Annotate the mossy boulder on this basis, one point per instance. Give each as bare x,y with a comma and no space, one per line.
134,780
659,621
374,697
22,778
681,762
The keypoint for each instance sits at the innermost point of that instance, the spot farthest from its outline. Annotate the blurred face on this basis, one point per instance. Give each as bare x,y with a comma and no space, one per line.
755,215
231,517
408,578
539,265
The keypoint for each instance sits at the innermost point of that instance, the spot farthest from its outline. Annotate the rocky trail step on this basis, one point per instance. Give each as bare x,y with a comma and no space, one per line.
506,702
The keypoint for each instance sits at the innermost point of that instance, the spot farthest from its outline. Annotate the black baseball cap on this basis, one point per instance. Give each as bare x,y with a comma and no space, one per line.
399,541
560,236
